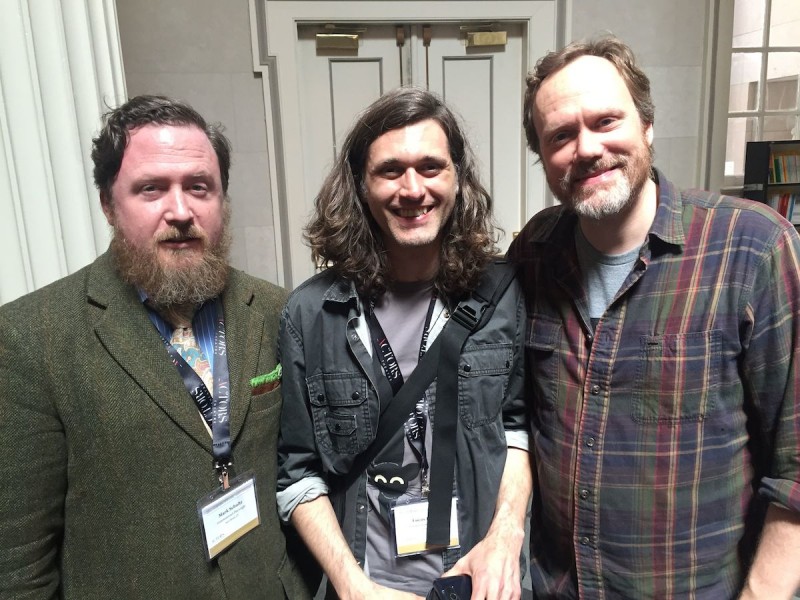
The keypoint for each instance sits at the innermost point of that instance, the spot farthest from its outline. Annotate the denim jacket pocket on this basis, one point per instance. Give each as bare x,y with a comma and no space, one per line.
340,411
482,381
678,377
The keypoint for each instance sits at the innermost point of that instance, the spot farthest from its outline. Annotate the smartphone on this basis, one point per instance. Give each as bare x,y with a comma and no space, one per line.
457,587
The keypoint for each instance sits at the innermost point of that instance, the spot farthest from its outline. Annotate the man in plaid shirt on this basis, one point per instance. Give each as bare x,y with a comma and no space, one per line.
663,343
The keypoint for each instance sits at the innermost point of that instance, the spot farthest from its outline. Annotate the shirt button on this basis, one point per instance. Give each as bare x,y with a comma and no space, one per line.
585,541
590,442
584,494
595,389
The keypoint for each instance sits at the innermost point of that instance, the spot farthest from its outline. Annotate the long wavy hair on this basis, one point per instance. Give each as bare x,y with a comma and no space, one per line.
609,47
344,236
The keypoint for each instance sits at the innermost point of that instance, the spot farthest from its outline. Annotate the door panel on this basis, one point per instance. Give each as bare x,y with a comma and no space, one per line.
334,88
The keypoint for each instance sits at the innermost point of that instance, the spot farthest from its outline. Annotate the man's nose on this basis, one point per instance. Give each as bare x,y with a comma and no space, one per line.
178,208
413,185
589,145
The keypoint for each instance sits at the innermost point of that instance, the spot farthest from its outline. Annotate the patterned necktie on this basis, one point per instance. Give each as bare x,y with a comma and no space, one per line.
184,342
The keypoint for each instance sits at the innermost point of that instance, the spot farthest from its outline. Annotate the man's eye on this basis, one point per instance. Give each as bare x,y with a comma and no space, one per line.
148,188
391,172
559,138
429,170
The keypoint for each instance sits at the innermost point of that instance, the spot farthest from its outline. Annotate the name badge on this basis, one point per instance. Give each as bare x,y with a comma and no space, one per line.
410,525
227,515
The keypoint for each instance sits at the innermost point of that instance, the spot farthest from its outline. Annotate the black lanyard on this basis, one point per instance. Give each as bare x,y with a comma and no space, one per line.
215,409
415,425
384,352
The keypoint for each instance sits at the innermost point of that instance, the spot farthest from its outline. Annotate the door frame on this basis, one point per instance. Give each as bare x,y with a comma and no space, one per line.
274,36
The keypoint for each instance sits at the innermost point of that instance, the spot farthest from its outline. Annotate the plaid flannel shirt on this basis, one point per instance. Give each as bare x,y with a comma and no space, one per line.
660,437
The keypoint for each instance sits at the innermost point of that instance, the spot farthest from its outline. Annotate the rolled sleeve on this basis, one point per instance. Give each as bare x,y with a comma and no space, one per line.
305,490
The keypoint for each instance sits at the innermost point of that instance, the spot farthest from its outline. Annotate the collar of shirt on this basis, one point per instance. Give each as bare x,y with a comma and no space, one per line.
344,291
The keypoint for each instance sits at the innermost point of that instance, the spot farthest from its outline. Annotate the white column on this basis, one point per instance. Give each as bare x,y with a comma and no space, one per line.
60,69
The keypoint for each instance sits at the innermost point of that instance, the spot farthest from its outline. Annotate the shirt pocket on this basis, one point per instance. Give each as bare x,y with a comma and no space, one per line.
482,381
543,356
340,411
678,377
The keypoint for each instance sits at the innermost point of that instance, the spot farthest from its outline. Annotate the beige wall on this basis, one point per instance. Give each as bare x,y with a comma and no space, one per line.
200,50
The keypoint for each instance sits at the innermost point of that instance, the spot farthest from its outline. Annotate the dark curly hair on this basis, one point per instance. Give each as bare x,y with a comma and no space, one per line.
613,50
344,236
109,145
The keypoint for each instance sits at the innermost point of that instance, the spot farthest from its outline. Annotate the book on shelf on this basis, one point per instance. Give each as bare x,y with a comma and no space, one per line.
786,205
785,168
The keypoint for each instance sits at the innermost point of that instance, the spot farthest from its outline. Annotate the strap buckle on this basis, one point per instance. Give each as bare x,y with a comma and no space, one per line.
469,312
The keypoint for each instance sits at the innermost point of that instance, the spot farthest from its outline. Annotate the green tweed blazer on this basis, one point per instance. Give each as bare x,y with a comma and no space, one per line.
103,455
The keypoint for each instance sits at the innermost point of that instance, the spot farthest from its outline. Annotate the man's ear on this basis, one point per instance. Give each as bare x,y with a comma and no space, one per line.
108,209
648,132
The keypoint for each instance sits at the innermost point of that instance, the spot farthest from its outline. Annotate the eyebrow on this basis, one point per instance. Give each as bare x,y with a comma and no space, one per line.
393,161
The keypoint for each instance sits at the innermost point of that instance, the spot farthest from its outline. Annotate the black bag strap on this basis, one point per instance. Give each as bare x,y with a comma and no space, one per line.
470,315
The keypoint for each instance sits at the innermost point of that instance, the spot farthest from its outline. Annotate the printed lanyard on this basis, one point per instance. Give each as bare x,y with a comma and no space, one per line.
215,409
386,356
415,425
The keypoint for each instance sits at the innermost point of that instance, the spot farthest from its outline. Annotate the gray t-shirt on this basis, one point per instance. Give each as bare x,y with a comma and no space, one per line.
603,274
401,313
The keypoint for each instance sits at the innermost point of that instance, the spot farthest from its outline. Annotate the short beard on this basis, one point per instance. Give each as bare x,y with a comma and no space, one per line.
186,278
636,171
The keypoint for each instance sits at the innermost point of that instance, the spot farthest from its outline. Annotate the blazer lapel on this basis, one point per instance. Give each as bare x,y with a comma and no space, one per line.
244,326
128,335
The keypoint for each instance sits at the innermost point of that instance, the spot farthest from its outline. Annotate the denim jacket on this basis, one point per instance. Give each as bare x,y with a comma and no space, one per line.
331,407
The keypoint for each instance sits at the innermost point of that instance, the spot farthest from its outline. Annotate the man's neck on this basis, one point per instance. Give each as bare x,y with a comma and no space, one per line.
410,264
627,230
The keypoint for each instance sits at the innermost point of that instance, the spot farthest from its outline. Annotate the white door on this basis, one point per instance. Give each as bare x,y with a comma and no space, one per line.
322,90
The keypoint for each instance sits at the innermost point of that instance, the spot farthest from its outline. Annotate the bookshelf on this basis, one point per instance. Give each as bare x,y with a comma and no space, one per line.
772,176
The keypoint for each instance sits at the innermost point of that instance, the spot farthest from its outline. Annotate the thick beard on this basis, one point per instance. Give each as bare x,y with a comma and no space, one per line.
635,173
184,278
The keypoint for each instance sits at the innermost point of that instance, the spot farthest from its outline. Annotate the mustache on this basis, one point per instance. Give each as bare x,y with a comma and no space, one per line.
585,168
174,234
